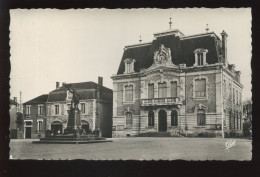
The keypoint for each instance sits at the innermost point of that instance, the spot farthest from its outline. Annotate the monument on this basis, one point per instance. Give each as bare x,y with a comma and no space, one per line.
73,134
74,122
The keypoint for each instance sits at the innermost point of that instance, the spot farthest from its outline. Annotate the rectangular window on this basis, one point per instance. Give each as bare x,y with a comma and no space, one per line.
129,93
240,98
128,120
200,59
230,89
57,109
234,98
200,88
224,89
173,89
28,123
162,90
40,126
39,110
150,91
28,110
83,108
237,96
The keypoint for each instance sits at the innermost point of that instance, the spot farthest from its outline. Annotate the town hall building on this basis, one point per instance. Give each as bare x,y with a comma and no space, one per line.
177,84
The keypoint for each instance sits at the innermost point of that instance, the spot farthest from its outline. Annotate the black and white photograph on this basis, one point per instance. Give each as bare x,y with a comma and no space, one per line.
131,84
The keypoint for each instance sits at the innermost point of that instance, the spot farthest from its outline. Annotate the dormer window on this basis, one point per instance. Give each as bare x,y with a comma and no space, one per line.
200,57
129,66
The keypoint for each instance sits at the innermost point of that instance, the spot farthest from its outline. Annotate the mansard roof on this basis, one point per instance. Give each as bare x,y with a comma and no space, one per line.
182,49
38,100
87,90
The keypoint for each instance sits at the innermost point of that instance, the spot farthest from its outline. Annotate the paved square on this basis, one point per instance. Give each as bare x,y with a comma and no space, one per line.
145,148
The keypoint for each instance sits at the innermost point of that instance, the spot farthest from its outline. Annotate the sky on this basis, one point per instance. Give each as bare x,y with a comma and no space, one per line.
51,45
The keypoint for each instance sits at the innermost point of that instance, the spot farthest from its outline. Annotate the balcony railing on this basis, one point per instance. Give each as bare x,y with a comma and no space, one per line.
161,101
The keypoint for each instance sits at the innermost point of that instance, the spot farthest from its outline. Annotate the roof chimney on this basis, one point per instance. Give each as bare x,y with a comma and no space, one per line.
15,99
63,84
100,86
100,81
224,46
57,85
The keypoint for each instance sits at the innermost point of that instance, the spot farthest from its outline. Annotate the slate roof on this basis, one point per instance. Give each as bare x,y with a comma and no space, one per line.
38,100
87,90
182,49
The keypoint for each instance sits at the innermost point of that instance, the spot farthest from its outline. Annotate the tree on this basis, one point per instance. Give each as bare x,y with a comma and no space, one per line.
19,119
247,111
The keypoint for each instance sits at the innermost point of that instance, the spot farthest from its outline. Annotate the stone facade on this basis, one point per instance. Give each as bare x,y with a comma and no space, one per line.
15,127
34,122
95,110
182,90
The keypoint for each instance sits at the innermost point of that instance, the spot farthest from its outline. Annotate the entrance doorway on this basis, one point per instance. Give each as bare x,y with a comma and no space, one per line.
56,127
162,122
85,127
28,131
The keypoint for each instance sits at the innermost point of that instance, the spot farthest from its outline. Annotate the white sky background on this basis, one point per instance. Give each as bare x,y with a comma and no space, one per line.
50,45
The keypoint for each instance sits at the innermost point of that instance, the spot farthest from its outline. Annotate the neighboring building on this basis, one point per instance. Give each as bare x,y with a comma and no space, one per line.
177,84
95,109
35,117
15,119
247,116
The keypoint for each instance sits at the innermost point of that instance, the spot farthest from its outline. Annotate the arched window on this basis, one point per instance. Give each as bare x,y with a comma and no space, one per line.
162,93
174,118
200,88
174,89
150,118
128,120
201,117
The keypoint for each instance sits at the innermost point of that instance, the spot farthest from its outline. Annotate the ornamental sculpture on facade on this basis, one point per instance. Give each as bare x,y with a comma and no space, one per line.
162,56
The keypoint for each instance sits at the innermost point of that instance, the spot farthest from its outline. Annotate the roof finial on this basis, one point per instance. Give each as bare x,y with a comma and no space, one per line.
170,23
207,28
140,40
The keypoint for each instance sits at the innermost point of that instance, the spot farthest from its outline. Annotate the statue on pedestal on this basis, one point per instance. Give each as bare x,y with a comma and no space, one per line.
74,122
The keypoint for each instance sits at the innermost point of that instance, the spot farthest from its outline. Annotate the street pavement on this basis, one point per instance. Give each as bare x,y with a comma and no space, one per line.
137,148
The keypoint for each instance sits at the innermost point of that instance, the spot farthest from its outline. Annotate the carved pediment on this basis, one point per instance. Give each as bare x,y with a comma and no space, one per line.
162,55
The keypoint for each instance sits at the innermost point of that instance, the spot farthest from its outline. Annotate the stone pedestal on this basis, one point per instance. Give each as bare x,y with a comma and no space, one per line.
74,122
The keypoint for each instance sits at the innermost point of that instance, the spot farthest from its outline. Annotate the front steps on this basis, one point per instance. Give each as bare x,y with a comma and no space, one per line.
70,139
160,134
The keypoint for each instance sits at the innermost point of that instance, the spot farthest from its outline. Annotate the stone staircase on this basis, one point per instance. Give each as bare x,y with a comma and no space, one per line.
155,134
160,134
176,134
